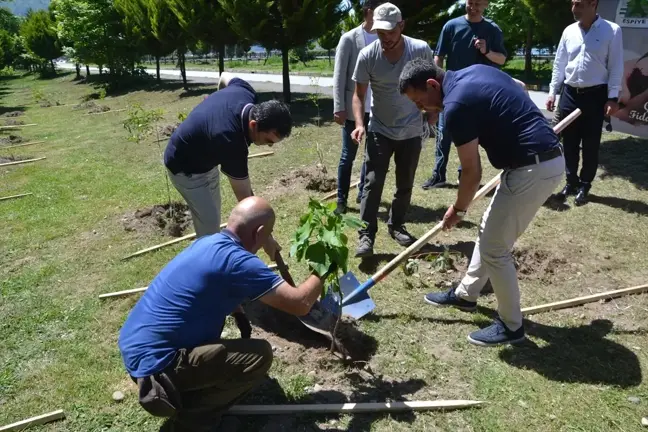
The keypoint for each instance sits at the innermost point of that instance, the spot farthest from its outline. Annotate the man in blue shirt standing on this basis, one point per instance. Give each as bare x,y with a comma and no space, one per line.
484,106
171,341
464,41
217,134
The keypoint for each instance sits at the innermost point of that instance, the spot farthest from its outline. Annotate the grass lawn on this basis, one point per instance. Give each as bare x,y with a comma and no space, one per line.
62,247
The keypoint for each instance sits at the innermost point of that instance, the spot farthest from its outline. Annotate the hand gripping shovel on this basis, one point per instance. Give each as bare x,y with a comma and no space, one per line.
356,303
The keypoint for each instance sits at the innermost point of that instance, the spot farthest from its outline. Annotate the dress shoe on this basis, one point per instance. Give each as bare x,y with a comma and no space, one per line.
581,196
341,208
569,189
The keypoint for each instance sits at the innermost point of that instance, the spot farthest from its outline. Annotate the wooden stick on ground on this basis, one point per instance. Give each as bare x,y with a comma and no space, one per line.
21,145
139,290
334,193
15,196
259,155
578,301
39,420
17,126
106,112
22,161
353,408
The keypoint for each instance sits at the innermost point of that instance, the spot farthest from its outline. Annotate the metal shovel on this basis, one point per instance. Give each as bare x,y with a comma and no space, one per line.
356,302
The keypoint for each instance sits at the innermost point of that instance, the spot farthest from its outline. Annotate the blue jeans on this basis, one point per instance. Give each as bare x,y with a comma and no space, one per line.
349,151
443,143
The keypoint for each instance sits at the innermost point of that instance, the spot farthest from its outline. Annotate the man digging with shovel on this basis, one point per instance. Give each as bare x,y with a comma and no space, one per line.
484,106
171,342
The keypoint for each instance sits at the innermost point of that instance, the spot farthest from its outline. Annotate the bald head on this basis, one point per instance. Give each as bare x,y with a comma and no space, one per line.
252,220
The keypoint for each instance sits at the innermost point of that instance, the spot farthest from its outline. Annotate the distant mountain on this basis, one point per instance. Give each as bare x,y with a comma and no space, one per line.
20,7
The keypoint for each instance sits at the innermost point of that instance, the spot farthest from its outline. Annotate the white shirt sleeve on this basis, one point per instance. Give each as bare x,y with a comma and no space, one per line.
560,63
615,64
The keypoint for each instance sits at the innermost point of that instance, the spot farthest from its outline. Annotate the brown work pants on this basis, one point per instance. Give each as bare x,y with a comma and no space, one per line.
202,383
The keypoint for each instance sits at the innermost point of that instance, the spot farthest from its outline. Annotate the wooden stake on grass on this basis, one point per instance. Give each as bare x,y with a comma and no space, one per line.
17,126
334,193
139,290
34,421
15,196
353,408
578,301
22,162
259,155
106,112
21,145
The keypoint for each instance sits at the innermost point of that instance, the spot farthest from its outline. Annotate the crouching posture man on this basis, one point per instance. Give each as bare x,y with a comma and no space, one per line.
484,106
171,341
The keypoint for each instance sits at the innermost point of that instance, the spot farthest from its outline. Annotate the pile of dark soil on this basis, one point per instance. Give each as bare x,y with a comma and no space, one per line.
47,104
7,159
13,114
85,105
11,140
14,122
314,178
167,131
98,109
172,221
538,264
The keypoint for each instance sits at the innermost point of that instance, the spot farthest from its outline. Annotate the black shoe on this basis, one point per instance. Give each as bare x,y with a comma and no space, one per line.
569,189
341,208
581,196
359,199
401,236
434,182
365,247
448,298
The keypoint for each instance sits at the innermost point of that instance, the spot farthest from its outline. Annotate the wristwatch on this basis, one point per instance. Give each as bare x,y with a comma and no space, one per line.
460,213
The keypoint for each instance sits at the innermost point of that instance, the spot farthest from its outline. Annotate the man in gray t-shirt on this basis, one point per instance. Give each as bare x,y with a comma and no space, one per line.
395,126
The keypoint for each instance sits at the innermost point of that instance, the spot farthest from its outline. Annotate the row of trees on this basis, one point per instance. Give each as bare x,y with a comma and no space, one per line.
116,34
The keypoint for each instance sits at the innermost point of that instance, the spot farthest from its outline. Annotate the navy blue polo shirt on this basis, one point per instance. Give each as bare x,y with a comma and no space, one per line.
457,42
214,133
485,103
186,304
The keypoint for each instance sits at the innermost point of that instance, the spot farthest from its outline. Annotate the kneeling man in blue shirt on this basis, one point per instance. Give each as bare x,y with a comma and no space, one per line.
484,106
171,341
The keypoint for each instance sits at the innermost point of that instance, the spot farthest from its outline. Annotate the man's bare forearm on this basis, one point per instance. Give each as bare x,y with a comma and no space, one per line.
439,60
468,186
496,57
358,110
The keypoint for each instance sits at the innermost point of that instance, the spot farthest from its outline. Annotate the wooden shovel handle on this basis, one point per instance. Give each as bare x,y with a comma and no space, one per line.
283,269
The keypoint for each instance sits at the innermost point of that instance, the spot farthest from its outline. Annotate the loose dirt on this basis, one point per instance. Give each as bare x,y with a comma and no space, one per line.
47,104
13,114
172,221
98,109
85,105
13,122
168,130
7,159
540,265
11,140
313,178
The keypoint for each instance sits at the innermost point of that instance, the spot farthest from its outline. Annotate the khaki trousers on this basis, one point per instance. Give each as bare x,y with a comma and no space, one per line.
517,199
204,382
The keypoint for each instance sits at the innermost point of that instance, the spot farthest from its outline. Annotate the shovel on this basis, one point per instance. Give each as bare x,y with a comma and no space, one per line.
356,303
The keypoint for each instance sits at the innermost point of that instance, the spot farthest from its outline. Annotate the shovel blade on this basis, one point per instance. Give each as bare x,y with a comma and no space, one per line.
360,305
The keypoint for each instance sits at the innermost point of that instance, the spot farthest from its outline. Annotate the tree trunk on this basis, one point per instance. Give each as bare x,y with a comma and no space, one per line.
266,58
53,67
528,47
100,69
183,71
157,67
329,54
221,59
87,71
77,66
286,74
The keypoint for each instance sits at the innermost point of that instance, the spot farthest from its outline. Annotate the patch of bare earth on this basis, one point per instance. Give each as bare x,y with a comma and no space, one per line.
313,178
14,122
11,140
98,109
7,159
167,130
13,114
85,105
171,220
540,265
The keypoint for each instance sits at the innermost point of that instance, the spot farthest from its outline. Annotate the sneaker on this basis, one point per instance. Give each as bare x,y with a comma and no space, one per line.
340,209
365,247
496,334
401,236
434,182
449,299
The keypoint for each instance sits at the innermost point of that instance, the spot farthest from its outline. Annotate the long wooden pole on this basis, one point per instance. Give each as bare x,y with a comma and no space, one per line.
578,301
142,289
15,196
106,112
22,162
34,421
21,145
353,408
17,126
260,155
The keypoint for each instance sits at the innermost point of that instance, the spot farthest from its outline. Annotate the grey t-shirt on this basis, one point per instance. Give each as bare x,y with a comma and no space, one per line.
392,114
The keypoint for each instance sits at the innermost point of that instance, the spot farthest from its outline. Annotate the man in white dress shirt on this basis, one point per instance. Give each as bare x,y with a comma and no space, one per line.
589,62
346,56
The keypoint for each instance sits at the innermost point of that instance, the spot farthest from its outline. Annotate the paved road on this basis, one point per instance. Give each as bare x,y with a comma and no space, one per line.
274,82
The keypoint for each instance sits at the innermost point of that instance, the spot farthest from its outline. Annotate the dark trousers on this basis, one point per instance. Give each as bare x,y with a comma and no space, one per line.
443,144
349,151
585,131
406,157
202,383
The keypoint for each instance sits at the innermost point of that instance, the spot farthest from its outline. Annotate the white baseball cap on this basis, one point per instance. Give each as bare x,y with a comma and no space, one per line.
386,17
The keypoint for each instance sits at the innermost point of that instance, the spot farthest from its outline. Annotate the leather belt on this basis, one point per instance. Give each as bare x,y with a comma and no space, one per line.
582,90
539,158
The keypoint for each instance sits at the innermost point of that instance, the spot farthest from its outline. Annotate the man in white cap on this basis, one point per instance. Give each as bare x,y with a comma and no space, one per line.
395,126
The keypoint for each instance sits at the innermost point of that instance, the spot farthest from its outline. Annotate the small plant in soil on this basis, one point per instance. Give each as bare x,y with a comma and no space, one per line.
321,242
315,98
443,261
